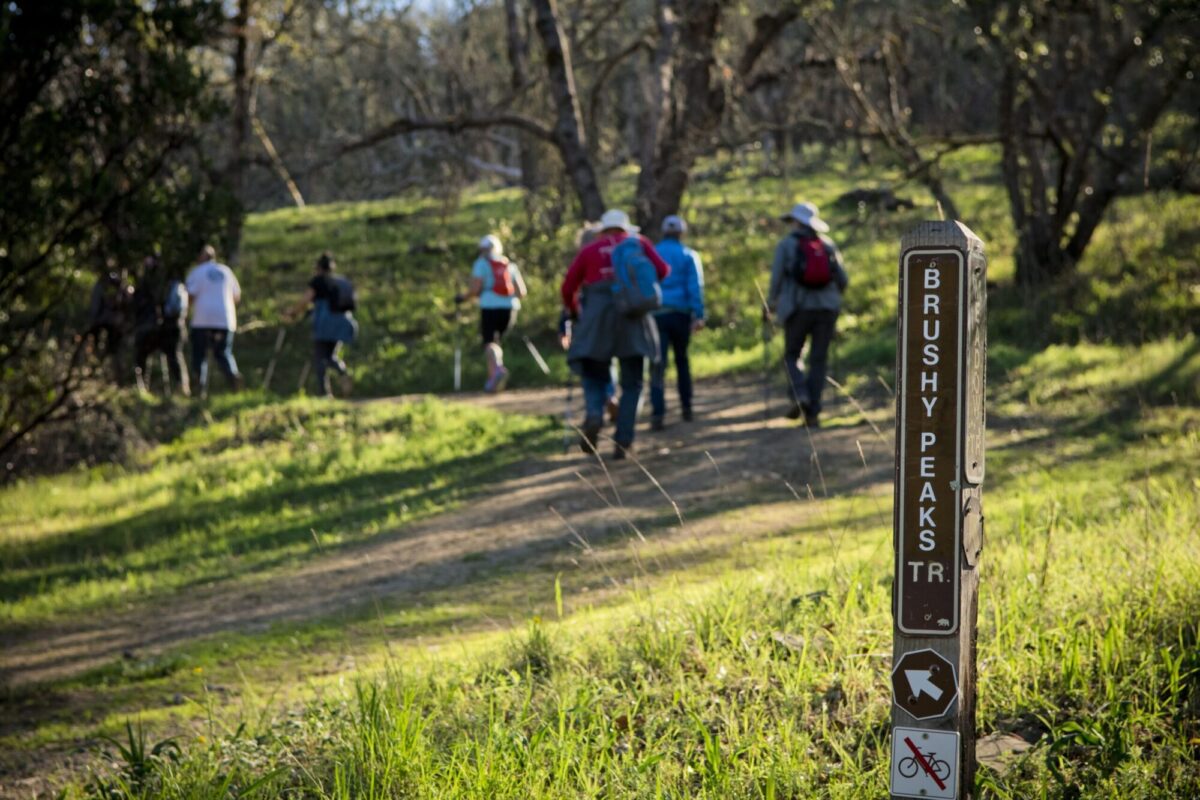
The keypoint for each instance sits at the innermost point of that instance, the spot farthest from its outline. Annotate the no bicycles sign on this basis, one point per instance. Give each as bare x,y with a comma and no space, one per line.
924,763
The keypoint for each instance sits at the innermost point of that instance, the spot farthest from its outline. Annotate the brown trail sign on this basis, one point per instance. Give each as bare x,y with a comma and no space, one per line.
938,523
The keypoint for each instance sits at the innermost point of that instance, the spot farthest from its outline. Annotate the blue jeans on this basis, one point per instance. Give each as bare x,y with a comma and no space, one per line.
597,381
220,341
674,333
325,355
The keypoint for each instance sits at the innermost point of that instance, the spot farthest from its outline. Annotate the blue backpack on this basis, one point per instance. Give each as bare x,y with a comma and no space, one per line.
636,291
175,304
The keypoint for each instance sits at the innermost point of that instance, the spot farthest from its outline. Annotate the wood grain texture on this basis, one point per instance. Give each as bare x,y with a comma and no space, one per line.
959,647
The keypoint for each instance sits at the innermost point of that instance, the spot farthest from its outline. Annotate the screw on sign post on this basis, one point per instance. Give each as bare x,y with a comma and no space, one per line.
940,373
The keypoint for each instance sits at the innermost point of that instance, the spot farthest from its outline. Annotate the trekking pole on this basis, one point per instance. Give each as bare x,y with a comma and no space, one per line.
766,344
279,337
459,297
568,428
533,351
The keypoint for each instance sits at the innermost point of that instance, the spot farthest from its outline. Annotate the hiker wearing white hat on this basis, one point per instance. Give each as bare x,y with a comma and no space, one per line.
602,332
498,284
807,282
682,314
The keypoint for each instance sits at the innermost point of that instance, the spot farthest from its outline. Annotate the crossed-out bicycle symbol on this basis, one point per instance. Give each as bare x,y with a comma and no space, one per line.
908,767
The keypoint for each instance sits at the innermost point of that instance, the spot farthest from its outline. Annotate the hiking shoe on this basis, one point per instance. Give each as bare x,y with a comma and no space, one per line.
612,407
656,424
591,435
811,419
686,415
497,381
794,412
620,451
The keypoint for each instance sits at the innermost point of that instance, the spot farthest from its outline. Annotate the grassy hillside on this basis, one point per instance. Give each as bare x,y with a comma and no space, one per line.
408,256
736,645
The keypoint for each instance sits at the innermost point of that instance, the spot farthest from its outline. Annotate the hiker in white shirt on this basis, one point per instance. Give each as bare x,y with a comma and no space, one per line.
214,293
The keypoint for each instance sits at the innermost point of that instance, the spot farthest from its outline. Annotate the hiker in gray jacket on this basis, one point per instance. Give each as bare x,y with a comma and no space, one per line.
807,282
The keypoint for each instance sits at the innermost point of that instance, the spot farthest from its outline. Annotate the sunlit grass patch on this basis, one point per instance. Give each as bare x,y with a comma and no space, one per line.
258,487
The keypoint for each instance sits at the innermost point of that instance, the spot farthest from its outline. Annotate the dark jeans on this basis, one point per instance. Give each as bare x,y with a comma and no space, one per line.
325,355
220,341
168,340
818,324
597,380
674,333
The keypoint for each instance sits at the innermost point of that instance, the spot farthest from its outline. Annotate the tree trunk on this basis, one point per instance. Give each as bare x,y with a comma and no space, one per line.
239,128
689,128
518,59
568,129
658,108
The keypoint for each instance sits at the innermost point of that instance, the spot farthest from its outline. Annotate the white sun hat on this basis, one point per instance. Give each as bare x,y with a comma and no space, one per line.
807,214
615,218
673,224
492,245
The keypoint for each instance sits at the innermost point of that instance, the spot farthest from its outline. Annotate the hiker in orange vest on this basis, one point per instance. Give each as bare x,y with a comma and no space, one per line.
498,284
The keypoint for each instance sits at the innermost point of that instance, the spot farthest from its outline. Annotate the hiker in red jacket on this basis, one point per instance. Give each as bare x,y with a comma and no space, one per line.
601,333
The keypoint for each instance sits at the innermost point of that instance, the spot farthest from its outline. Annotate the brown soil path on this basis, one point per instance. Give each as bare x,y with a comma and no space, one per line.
518,522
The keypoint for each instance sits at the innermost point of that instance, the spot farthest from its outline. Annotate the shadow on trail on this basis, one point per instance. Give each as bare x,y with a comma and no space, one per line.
506,531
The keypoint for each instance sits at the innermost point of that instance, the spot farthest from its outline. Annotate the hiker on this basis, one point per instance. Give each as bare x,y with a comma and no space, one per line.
807,282
681,315
586,235
214,294
159,308
498,284
602,332
333,304
108,314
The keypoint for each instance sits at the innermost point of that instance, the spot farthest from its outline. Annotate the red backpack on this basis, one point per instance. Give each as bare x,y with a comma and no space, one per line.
811,252
502,282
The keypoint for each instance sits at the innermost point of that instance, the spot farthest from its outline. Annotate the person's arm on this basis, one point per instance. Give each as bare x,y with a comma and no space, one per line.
237,288
696,289
190,286
475,287
519,281
840,276
573,281
778,271
660,266
296,311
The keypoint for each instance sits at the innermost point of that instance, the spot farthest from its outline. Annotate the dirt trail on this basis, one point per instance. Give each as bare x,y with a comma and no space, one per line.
518,522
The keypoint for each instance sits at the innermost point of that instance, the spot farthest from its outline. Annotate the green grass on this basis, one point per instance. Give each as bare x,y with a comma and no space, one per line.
757,670
251,486
769,680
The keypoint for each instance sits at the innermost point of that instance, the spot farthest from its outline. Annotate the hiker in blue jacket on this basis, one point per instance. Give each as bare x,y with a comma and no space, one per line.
807,282
681,315
333,303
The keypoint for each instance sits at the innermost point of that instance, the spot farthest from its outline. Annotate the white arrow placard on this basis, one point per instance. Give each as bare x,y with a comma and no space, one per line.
920,681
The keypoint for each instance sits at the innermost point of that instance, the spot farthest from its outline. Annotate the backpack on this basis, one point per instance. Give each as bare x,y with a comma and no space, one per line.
636,291
812,253
502,282
175,304
343,296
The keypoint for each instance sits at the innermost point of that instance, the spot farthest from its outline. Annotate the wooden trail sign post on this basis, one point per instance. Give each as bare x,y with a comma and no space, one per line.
938,523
